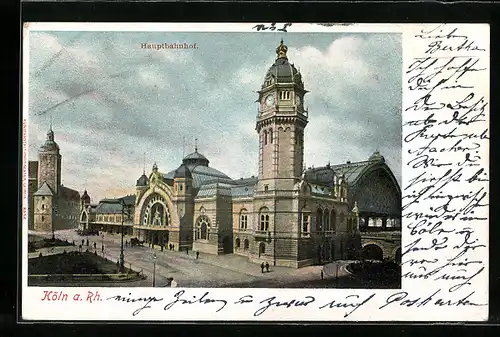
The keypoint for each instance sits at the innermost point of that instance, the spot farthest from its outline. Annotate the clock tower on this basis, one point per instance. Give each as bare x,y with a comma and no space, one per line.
281,121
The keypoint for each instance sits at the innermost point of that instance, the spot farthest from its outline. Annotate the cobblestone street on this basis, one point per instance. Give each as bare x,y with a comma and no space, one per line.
207,271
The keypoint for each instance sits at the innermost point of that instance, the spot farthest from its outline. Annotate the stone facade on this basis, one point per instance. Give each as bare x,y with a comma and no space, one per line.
52,206
287,215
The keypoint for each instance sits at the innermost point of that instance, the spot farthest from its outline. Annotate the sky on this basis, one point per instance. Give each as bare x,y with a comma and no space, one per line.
113,103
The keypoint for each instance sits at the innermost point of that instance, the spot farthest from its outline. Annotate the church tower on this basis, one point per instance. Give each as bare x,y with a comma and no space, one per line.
281,121
49,163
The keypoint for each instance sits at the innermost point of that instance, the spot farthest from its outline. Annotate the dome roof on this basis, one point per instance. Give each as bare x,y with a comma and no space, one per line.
50,143
376,156
195,158
142,181
183,172
282,71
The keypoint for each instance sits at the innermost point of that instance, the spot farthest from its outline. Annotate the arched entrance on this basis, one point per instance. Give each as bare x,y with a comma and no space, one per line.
262,249
372,252
227,246
246,244
397,255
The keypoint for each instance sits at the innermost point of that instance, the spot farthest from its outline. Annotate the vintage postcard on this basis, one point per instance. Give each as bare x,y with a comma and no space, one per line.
255,172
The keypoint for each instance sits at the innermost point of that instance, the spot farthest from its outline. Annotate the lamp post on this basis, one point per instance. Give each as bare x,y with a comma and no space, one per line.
154,269
102,241
124,211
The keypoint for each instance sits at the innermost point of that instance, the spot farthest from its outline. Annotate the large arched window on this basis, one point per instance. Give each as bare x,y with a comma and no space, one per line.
243,219
333,220
319,220
264,219
202,228
326,220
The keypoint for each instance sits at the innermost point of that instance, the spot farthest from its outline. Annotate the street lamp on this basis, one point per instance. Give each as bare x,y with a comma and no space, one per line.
124,211
102,241
154,269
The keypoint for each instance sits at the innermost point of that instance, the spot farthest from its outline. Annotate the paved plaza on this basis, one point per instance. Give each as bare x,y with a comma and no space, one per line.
207,271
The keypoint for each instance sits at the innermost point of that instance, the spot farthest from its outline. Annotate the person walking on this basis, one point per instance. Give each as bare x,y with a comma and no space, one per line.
103,248
267,267
95,245
262,267
322,274
197,255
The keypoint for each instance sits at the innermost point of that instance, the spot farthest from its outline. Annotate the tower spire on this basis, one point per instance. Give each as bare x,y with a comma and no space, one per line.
144,163
183,147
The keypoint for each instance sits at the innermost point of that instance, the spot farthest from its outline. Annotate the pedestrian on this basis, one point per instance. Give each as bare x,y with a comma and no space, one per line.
87,242
197,255
83,242
267,267
321,273
103,248
95,245
262,267
172,283
187,251
161,247
80,248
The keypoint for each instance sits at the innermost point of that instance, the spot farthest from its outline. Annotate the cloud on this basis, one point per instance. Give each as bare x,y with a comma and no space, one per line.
112,101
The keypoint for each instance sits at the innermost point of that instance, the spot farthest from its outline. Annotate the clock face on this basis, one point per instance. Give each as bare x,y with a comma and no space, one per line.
297,100
270,100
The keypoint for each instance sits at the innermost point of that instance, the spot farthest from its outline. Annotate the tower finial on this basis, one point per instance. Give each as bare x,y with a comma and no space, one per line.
281,50
183,147
144,163
196,145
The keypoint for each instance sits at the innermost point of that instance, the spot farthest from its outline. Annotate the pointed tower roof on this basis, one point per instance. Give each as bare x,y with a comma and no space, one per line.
44,190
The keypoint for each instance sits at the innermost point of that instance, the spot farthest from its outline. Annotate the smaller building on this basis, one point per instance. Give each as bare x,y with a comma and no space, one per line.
109,215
